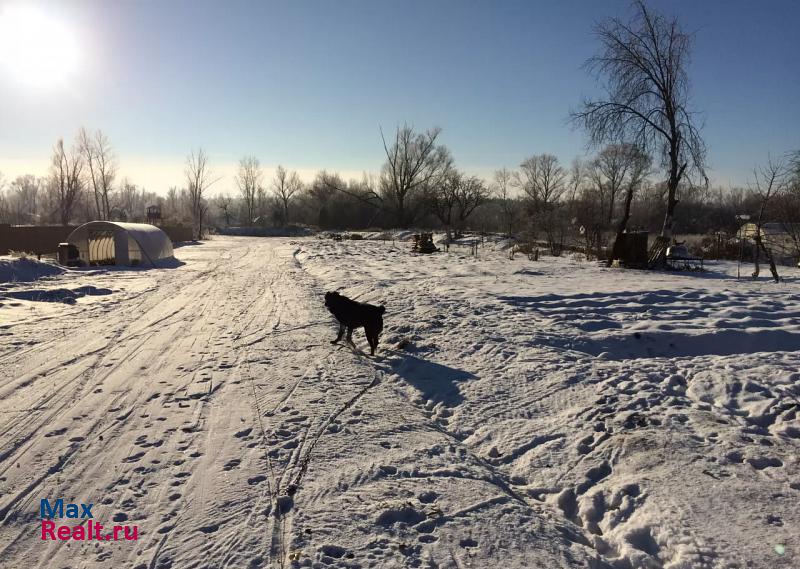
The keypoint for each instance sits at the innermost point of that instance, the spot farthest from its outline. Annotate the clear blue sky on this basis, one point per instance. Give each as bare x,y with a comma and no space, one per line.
307,83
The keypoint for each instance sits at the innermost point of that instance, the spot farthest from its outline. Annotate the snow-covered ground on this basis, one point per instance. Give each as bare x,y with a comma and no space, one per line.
518,414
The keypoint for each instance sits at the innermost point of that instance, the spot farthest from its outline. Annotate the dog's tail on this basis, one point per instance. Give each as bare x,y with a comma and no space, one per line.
381,309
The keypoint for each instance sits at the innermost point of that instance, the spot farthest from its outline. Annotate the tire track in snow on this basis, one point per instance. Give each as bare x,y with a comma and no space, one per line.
54,399
91,373
230,543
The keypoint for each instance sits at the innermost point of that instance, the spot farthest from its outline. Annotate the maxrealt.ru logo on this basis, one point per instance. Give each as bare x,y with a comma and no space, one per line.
80,532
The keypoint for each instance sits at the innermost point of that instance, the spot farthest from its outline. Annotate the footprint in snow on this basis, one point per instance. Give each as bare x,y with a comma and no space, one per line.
231,464
764,462
428,497
333,551
243,433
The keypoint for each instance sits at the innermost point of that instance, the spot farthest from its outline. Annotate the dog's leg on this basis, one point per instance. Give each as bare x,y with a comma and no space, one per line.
341,333
350,337
372,339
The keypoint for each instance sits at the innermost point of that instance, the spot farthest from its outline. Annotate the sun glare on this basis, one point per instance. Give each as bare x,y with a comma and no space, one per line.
36,49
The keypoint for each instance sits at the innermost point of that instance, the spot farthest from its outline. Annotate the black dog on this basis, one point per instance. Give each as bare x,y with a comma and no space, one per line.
352,315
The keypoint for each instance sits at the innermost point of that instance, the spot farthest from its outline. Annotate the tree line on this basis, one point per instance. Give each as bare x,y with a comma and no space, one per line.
647,171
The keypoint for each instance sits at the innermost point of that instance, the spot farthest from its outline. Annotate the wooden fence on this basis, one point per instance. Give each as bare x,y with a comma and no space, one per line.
44,239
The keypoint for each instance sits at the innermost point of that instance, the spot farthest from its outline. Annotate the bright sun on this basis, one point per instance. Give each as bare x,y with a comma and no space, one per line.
35,49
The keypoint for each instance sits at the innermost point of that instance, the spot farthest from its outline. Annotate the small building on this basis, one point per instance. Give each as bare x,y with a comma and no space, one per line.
631,249
119,243
153,214
783,239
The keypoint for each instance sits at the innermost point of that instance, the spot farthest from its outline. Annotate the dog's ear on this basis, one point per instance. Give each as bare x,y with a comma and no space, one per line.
381,309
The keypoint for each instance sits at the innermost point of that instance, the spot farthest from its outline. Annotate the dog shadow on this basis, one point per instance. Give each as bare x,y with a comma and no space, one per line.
435,382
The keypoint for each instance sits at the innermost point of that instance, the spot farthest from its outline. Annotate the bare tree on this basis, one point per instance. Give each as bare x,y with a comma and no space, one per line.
285,186
502,189
224,203
172,205
612,166
129,202
322,189
630,174
471,193
249,182
106,168
578,174
599,188
321,193
543,179
587,211
100,162
586,198
442,199
644,63
24,193
198,179
87,149
769,180
65,177
262,204
414,163
455,198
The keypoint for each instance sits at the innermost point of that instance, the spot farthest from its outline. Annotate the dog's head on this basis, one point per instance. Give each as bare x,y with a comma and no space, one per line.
331,297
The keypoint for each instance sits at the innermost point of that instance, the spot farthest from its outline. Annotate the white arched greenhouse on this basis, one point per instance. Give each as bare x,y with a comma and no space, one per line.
117,243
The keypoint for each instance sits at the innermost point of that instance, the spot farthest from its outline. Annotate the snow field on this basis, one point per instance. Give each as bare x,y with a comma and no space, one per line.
518,414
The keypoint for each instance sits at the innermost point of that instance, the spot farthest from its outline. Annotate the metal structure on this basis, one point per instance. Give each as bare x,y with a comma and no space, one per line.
154,214
678,257
119,243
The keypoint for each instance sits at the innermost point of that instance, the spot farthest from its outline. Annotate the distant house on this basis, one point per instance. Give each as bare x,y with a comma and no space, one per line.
783,239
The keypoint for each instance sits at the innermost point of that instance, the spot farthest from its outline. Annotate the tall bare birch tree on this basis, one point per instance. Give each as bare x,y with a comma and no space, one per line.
644,63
